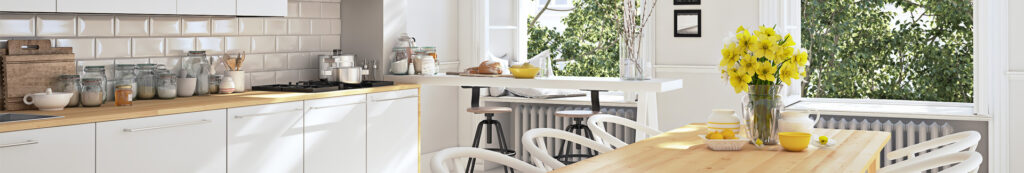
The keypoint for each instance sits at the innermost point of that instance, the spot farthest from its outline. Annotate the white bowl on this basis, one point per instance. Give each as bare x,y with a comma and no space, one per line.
51,101
725,144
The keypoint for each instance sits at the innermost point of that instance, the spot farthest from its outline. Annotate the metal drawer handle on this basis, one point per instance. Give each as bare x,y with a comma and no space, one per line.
268,113
28,142
381,100
331,106
204,121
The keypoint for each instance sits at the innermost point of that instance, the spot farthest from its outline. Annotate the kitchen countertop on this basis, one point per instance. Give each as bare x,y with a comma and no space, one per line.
148,108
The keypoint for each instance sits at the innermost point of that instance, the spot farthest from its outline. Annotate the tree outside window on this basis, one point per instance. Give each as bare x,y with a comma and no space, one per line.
588,43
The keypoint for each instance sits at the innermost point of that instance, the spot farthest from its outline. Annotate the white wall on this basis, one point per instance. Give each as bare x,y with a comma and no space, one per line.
435,23
1016,86
695,59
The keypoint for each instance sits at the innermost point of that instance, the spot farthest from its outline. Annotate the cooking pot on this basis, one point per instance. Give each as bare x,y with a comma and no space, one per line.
350,75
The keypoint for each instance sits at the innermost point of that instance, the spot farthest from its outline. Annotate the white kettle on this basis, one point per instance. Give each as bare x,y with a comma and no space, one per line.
797,121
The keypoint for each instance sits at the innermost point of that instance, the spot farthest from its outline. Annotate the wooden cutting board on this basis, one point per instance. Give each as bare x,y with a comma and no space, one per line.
31,66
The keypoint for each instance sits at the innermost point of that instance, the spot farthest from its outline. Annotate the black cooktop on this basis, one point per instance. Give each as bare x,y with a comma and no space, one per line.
319,86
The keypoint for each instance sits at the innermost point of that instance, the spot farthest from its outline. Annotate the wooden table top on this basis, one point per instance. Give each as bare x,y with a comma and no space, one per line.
148,108
681,150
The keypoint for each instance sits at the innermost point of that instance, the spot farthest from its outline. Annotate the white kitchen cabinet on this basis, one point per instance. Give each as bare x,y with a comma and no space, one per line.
29,6
206,7
265,138
189,142
336,135
392,131
119,6
262,7
66,149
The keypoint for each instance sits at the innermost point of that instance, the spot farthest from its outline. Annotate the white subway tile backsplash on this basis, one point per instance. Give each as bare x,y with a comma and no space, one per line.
264,44
330,42
55,26
320,26
253,62
298,26
148,47
300,61
166,26
82,47
250,26
293,9
295,75
224,26
309,9
263,78
287,43
335,26
309,43
331,10
113,47
109,64
172,63
95,26
132,61
17,25
238,44
180,46
275,61
276,26
212,45
132,26
195,26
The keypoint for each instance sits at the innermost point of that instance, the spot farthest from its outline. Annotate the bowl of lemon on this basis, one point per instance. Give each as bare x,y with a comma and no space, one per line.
724,140
525,71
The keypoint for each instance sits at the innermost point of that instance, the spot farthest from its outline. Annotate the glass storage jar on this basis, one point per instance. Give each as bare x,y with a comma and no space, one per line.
167,85
146,81
99,72
197,65
71,84
215,83
123,95
126,74
93,92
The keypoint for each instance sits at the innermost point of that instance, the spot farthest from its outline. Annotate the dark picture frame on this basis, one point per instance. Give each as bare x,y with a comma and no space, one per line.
688,28
686,2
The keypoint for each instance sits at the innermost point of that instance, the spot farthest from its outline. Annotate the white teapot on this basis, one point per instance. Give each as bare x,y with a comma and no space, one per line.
797,121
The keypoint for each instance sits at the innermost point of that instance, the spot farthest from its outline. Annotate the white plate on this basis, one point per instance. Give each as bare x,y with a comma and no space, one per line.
831,142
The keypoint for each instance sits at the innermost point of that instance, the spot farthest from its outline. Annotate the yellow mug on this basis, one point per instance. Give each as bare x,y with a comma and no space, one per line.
794,141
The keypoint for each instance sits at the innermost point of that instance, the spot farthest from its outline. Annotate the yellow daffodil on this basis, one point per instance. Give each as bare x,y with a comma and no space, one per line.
741,29
783,54
766,33
800,58
748,64
744,40
788,41
738,80
762,48
765,71
728,55
789,71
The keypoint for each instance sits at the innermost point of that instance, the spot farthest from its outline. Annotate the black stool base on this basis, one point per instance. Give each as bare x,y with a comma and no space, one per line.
503,146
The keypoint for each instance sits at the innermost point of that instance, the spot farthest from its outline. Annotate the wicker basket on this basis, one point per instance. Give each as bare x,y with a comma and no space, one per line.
725,144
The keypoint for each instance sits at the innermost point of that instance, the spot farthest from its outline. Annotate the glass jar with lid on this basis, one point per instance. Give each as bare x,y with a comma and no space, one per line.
126,74
93,92
166,85
197,65
123,95
146,81
100,73
215,83
71,84
417,60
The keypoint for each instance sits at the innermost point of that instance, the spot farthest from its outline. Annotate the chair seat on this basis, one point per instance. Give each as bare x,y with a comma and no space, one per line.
576,113
489,110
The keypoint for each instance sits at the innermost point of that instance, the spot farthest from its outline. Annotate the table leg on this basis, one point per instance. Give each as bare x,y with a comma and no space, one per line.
646,112
873,167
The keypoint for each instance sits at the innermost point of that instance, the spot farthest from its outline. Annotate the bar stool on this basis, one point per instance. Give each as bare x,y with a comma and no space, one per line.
488,112
566,153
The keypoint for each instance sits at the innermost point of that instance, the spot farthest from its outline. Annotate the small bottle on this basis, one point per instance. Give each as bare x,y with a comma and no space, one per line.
123,95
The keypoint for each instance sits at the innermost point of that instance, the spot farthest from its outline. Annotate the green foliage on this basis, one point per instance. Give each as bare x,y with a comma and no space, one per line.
858,50
590,40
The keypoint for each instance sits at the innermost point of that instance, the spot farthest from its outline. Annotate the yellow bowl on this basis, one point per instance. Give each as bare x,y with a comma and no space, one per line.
524,73
794,141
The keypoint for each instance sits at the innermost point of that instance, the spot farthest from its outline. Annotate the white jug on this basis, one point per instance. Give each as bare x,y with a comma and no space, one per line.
797,121
723,119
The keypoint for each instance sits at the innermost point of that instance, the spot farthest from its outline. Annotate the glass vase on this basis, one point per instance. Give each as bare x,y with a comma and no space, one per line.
635,68
761,109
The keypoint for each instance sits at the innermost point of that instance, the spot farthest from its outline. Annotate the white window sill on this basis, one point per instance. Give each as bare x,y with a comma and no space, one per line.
890,109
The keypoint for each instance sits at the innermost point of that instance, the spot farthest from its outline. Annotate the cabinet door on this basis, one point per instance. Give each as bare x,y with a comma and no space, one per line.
392,131
336,135
265,138
190,142
67,149
206,7
262,7
29,6
118,6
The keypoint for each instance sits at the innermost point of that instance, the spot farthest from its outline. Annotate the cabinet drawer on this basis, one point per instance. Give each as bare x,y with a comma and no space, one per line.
335,136
189,142
265,138
67,149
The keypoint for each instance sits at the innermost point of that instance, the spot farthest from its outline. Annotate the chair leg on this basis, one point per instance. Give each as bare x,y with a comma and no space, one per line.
589,135
476,143
502,144
566,147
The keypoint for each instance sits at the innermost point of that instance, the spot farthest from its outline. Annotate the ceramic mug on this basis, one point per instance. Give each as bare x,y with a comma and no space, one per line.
49,100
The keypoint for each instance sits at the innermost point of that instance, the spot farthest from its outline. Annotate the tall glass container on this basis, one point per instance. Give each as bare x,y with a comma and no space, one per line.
197,65
99,73
146,81
167,85
125,74
71,84
93,92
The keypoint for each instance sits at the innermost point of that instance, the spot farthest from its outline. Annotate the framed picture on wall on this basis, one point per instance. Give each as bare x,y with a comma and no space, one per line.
687,23
686,2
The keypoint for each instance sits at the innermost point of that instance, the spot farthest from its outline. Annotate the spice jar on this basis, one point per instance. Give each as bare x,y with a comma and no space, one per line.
70,84
123,95
93,92
432,51
167,85
215,83
125,74
146,81
98,72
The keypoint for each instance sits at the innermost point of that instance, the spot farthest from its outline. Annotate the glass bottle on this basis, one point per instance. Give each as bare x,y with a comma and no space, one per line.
126,74
93,92
100,73
123,95
167,85
146,81
197,65
71,84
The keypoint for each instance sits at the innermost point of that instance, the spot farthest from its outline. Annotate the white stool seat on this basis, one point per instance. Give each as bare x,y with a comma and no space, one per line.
489,110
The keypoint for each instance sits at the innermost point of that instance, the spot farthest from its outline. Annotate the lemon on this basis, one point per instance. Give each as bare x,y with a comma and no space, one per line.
823,140
727,134
715,136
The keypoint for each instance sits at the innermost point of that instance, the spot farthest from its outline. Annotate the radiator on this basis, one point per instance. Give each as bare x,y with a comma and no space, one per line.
530,116
903,133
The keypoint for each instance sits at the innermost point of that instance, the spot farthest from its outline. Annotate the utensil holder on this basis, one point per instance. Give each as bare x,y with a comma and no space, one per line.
239,79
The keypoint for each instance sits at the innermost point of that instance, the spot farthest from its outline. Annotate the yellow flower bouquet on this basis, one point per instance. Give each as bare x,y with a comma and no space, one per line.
761,57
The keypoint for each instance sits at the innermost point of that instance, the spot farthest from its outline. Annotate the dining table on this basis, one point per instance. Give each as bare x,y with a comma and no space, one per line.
681,150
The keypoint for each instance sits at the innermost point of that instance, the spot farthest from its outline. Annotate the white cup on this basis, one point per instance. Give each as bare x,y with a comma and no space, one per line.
239,78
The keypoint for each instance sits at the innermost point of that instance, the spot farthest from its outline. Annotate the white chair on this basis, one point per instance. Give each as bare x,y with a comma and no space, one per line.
967,161
534,143
438,164
953,143
596,123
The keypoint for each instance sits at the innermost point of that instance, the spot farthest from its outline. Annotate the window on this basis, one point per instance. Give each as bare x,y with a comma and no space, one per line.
581,35
889,49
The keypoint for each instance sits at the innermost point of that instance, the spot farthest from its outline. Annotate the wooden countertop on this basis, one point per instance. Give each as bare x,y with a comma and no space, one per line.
148,108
